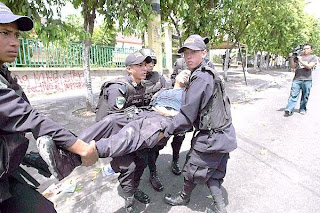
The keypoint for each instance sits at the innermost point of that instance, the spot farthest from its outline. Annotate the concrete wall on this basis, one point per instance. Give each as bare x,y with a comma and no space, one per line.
40,82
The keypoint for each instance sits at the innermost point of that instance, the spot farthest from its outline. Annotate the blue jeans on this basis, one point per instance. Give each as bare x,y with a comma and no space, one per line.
305,87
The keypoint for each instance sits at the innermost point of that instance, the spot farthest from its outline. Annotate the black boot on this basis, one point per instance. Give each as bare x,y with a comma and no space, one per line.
175,168
33,159
141,196
129,204
218,205
180,199
61,162
155,181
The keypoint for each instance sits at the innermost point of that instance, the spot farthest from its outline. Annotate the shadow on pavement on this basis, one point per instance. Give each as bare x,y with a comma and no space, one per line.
172,184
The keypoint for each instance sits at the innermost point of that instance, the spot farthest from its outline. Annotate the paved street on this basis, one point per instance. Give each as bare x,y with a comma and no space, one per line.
275,168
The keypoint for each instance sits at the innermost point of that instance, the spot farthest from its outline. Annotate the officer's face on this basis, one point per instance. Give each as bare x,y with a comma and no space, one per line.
138,71
150,66
193,57
9,42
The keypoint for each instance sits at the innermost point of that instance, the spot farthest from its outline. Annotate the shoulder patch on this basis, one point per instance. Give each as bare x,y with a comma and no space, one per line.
120,102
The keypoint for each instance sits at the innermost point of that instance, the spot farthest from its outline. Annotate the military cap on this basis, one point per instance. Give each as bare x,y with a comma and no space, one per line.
137,58
194,42
6,16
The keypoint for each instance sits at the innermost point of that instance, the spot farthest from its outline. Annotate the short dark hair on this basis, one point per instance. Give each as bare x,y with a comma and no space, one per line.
307,44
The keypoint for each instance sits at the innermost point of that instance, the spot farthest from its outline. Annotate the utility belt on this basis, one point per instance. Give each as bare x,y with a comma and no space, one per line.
131,110
211,131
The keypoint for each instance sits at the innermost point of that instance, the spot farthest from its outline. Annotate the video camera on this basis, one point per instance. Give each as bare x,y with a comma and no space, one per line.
297,51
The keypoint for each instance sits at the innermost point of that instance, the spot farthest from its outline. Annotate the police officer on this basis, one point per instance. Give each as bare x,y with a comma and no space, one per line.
17,118
214,135
153,83
125,97
180,64
177,140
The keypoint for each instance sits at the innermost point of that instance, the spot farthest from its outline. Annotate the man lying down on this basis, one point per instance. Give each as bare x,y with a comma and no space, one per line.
143,132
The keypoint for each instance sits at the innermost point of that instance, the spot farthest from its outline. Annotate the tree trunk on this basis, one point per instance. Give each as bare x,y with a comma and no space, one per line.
262,61
268,60
88,25
255,61
87,75
226,63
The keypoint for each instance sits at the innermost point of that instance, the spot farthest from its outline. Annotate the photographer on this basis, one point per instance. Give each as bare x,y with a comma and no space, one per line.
303,63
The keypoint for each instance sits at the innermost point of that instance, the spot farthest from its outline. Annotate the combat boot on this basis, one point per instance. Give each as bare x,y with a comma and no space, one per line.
33,159
181,199
175,168
141,196
61,162
218,205
129,204
155,181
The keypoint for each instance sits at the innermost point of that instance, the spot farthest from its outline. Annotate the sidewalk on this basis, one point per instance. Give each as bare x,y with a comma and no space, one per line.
239,92
91,191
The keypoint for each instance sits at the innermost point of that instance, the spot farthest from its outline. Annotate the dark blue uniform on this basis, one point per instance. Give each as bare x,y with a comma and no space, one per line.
207,159
153,83
180,65
140,133
17,118
119,97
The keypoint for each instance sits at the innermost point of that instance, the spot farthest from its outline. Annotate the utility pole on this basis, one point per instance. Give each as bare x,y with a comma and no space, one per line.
154,34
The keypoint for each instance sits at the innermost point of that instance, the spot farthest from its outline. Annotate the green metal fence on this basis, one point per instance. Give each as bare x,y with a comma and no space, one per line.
34,53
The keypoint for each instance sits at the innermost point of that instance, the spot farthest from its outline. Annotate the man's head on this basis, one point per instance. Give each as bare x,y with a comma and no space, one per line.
194,50
182,78
136,65
307,49
10,25
152,54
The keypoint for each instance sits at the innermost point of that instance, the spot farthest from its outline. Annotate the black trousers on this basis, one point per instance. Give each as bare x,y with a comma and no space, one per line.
213,184
115,139
176,146
25,199
131,167
153,155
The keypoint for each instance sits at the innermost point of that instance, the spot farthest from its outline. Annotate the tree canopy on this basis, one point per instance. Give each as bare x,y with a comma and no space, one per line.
276,27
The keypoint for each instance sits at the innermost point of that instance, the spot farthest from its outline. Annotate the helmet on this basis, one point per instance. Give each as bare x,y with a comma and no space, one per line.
149,52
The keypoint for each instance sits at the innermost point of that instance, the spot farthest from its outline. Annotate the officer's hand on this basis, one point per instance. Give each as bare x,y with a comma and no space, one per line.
91,155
